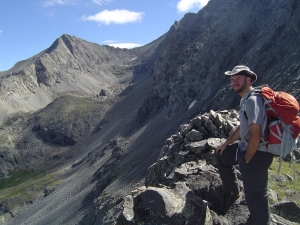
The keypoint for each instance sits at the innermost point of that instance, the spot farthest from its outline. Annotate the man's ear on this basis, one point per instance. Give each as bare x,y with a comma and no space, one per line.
249,79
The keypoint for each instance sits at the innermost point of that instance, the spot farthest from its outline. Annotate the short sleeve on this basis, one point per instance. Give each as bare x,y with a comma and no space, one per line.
255,109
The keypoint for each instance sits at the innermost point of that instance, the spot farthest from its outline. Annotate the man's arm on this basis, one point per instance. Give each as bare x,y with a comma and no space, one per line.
235,135
253,142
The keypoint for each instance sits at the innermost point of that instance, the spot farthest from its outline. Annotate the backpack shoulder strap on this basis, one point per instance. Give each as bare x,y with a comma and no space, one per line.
244,99
253,91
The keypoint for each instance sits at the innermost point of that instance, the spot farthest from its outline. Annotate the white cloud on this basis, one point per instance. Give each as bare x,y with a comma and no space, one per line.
125,45
50,3
109,41
101,2
0,32
115,43
186,5
118,16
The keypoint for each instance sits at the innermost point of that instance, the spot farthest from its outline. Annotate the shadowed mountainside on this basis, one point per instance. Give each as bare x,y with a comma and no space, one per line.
197,50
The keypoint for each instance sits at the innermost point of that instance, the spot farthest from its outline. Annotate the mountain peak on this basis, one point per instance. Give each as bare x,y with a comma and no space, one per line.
65,40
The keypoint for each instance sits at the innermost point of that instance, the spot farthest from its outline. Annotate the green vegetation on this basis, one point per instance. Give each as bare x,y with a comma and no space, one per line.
281,187
17,178
22,186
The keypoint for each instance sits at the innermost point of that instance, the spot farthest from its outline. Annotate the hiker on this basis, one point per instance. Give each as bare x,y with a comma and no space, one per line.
249,153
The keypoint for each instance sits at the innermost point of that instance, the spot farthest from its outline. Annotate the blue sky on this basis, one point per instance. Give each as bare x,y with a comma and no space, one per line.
27,27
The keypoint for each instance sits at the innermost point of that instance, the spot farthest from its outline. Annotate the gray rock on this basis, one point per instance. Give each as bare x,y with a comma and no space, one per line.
193,168
287,210
197,147
237,214
213,143
204,181
156,172
216,118
185,128
210,126
273,197
165,206
278,178
194,135
278,220
218,220
197,122
127,216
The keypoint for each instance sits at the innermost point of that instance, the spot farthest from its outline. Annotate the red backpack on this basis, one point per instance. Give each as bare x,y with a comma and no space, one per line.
281,106
283,121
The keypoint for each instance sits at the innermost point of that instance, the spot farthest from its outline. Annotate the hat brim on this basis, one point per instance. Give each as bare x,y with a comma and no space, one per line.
253,76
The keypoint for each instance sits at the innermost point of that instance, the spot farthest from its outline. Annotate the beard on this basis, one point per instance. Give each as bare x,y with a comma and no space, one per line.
242,88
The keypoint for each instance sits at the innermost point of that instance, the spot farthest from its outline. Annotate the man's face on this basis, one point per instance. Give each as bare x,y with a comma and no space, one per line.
239,83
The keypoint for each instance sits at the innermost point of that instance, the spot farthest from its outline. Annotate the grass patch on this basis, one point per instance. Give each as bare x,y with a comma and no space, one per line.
281,186
18,177
24,186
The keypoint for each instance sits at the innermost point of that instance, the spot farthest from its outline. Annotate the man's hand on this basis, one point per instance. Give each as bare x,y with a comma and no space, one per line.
221,148
235,135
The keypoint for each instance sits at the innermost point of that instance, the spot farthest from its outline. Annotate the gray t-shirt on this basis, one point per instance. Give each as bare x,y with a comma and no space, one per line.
252,111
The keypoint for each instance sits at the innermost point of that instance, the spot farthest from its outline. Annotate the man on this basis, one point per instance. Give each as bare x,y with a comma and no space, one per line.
249,153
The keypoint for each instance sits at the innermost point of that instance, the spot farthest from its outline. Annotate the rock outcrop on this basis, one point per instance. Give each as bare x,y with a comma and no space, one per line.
186,169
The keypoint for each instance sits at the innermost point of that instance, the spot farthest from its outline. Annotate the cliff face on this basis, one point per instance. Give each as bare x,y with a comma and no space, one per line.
114,108
198,49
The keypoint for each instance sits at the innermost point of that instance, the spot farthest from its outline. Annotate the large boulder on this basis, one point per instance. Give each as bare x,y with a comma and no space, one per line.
178,205
288,210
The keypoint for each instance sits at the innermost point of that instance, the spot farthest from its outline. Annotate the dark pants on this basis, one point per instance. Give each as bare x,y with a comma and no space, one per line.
255,180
